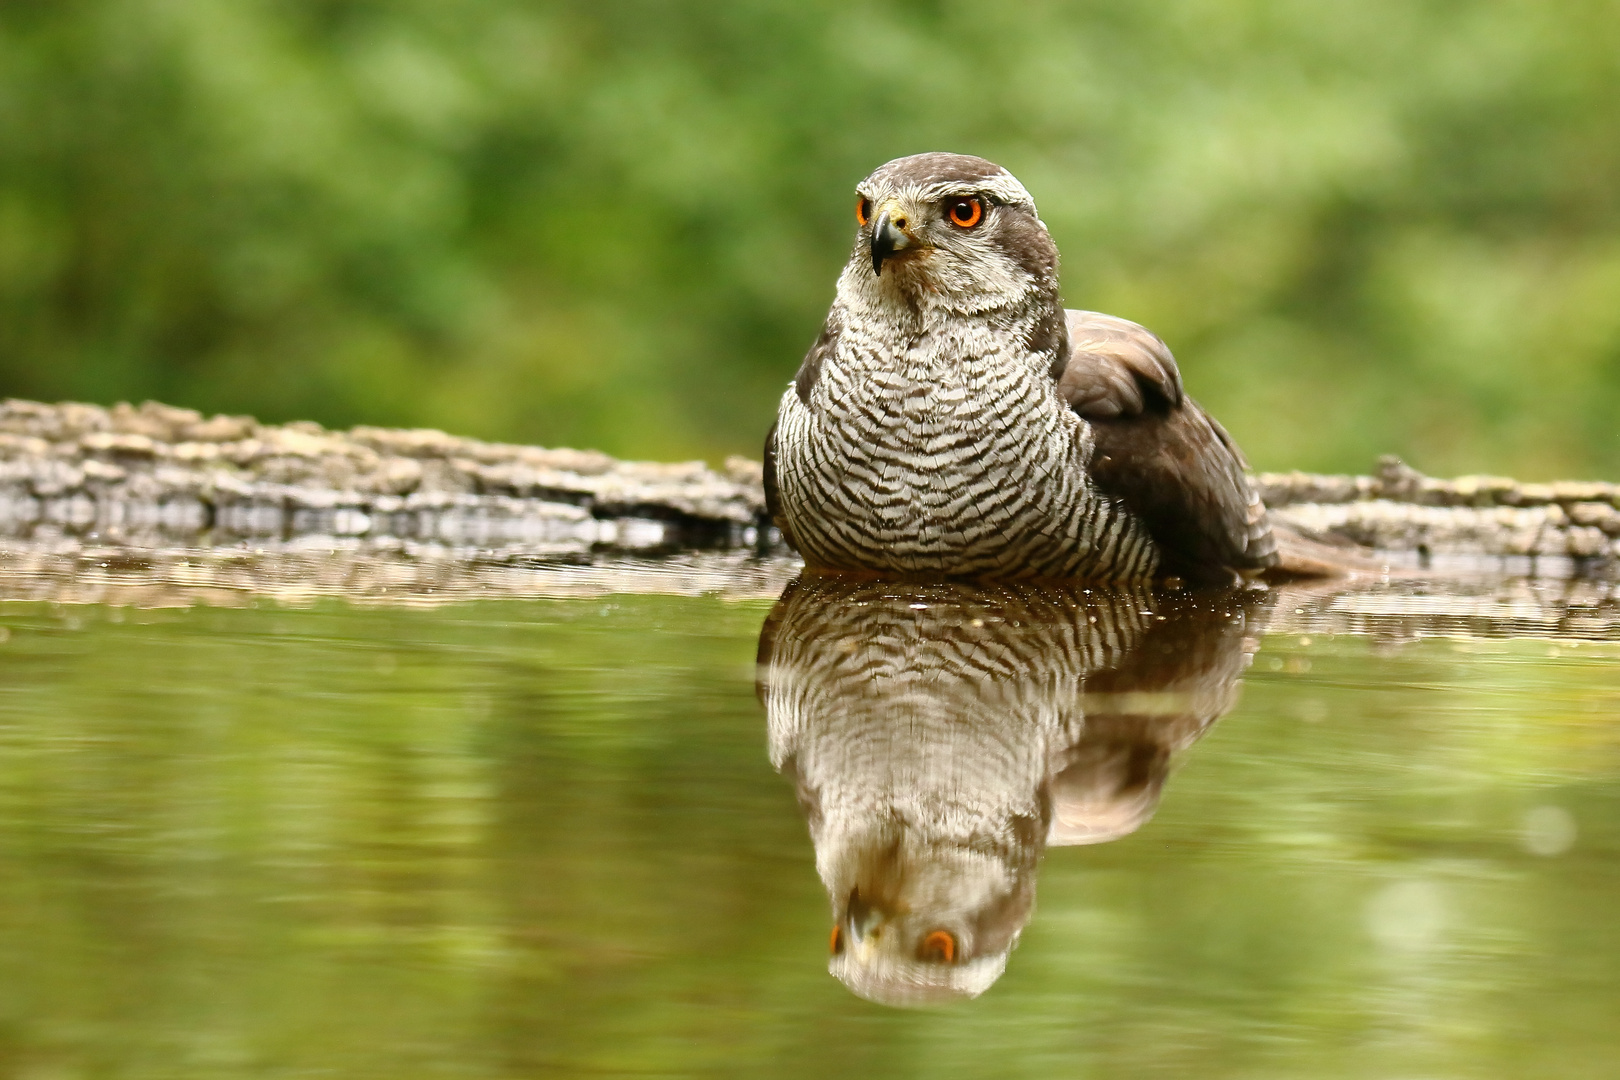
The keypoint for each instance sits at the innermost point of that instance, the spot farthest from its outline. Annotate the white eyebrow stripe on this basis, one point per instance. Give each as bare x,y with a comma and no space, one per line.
1002,189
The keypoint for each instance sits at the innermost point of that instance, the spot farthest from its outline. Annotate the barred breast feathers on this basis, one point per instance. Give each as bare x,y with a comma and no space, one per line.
940,444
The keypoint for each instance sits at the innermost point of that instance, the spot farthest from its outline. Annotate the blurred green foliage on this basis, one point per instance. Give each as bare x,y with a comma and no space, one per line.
1384,226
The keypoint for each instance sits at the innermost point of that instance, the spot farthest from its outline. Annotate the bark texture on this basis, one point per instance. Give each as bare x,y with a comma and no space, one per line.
159,486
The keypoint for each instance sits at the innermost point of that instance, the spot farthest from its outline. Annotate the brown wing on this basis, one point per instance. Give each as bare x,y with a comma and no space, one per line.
1166,459
1159,698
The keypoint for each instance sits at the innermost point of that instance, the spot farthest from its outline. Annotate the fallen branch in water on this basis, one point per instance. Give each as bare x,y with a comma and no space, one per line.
1563,529
78,479
157,476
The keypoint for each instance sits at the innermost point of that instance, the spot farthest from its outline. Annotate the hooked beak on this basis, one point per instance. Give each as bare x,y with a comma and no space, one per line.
889,235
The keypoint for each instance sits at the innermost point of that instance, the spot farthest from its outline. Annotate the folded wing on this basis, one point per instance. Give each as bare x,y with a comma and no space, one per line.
1160,454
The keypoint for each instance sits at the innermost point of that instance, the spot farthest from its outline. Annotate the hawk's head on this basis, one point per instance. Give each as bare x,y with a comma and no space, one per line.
951,231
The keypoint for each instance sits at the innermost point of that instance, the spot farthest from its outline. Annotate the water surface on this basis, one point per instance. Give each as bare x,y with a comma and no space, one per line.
546,837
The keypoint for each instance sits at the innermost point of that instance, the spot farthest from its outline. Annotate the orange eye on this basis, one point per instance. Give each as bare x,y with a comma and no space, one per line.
965,213
835,942
863,209
939,947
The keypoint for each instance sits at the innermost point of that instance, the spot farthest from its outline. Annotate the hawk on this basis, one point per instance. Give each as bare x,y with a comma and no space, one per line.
953,419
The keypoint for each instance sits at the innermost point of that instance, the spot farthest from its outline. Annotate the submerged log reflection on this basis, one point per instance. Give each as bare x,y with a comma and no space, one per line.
941,736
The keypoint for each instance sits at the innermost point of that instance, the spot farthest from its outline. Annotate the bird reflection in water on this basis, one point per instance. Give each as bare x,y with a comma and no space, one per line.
940,736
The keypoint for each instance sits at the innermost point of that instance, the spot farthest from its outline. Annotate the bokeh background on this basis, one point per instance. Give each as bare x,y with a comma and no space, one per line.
1392,225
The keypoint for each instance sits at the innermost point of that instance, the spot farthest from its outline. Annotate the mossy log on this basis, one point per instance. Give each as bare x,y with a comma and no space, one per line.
1561,529
158,476
85,482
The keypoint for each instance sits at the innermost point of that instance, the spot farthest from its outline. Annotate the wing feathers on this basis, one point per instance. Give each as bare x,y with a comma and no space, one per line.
1116,368
1161,455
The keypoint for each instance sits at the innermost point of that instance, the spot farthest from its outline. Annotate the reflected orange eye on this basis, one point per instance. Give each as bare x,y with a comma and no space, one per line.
835,942
939,947
863,209
965,213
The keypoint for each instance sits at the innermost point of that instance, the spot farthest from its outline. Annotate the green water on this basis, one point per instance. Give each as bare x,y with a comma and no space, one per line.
545,838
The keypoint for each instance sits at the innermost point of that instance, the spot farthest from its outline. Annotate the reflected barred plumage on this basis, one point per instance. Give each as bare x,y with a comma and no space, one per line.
953,419
941,735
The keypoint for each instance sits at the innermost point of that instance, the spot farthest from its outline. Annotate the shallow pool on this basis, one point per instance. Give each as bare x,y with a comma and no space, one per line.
1335,834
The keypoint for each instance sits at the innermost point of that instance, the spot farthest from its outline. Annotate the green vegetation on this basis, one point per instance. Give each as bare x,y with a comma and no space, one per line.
1384,226
504,840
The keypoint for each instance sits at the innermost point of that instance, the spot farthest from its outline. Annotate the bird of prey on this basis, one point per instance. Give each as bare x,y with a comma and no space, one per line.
940,735
953,419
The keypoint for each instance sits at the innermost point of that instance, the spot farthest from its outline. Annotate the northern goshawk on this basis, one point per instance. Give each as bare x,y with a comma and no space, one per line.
953,419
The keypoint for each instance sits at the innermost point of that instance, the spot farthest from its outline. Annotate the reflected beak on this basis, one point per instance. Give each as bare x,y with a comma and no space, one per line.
890,234
864,923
